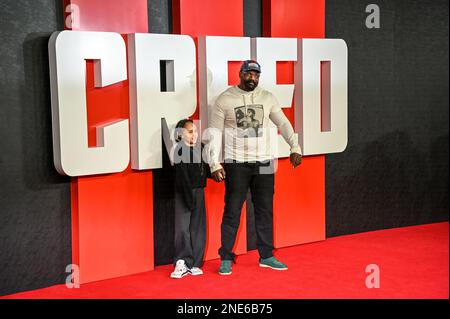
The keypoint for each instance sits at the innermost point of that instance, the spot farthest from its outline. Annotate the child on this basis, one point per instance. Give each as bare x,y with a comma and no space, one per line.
190,214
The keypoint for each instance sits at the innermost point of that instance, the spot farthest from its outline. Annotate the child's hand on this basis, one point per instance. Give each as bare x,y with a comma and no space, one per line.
218,175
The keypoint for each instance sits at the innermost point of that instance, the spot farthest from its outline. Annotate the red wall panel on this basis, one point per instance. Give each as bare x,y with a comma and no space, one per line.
222,18
299,202
112,215
109,15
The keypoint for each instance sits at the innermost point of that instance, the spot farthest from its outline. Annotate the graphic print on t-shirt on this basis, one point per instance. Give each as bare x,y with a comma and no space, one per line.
249,120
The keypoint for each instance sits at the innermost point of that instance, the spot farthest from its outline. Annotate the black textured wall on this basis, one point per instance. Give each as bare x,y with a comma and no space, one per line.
394,171
35,228
160,21
159,16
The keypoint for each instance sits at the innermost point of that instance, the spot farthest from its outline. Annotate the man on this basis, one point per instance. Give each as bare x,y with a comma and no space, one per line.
248,161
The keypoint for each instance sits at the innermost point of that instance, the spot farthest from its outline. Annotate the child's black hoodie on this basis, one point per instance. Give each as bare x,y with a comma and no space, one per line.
191,171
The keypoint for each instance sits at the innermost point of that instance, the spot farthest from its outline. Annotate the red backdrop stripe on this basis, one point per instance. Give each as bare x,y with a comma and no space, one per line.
221,18
299,202
112,215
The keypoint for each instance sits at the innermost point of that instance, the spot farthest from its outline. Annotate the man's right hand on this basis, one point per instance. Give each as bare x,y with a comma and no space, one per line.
218,175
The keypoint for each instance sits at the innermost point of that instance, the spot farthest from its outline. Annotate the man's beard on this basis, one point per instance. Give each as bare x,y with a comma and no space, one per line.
250,85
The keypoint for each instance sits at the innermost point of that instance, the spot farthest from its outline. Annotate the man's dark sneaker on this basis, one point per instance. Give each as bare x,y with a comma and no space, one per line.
273,263
225,267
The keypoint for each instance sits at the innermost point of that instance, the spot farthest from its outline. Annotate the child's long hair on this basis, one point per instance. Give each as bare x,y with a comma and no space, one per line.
178,135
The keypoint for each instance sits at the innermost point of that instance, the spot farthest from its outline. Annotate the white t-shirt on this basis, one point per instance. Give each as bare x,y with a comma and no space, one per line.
242,123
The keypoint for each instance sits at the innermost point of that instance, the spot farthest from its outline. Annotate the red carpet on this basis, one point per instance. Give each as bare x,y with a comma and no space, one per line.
413,263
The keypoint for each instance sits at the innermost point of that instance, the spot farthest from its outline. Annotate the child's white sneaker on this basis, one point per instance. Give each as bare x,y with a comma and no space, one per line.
180,270
195,271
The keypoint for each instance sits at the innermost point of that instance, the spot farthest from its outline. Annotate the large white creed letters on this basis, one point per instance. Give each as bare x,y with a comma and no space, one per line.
214,53
148,104
268,51
68,52
321,96
320,92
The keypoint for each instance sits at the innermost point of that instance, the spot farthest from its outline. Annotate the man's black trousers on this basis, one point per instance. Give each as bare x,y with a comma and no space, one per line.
240,176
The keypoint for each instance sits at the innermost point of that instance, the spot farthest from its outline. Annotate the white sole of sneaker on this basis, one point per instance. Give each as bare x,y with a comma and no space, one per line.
179,276
225,273
267,266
